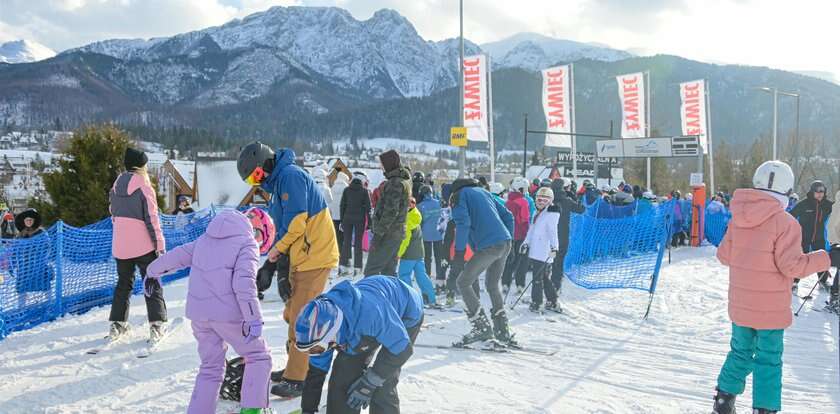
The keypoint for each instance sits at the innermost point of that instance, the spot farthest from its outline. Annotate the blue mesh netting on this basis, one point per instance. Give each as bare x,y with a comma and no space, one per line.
70,270
618,246
716,225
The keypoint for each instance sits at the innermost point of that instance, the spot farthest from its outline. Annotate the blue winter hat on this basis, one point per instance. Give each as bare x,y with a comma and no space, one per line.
318,324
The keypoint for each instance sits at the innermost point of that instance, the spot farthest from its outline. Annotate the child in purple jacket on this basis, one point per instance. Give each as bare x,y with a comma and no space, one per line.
222,305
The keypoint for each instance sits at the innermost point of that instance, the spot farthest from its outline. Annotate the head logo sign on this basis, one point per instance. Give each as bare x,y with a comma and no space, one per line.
631,92
693,110
475,98
556,106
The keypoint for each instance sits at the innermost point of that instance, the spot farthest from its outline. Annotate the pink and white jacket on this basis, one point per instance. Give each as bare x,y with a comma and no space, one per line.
134,213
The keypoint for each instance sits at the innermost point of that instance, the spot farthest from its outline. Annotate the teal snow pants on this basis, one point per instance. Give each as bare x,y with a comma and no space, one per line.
756,351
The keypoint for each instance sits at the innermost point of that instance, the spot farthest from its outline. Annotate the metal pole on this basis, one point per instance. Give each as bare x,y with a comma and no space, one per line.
709,138
574,126
525,149
648,121
491,138
462,159
775,121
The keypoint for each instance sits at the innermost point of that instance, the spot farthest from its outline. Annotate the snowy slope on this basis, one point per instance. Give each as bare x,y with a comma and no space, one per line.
532,51
607,360
24,51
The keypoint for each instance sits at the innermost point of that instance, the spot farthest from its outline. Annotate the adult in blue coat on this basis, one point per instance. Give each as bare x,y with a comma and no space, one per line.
432,236
355,321
487,225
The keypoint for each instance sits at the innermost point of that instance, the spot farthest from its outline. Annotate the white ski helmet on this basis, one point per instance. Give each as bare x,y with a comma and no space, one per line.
497,188
520,185
545,192
775,176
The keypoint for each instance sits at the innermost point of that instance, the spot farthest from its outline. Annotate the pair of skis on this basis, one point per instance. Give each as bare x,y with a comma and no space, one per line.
492,346
150,346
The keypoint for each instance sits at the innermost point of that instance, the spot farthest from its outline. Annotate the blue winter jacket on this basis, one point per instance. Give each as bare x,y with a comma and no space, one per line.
304,227
378,310
532,207
480,220
430,210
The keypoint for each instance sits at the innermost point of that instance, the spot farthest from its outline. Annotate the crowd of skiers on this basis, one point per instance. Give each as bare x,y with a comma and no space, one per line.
442,240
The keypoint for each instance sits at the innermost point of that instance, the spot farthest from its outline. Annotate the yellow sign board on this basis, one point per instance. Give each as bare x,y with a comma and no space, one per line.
458,136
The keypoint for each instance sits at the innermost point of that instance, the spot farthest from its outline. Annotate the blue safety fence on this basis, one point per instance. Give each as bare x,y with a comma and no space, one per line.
716,224
624,251
69,270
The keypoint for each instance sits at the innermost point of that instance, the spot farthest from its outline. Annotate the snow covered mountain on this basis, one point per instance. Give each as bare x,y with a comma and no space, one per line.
24,51
382,57
532,51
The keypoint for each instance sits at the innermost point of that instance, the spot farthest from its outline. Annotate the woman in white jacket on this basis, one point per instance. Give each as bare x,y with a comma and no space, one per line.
541,246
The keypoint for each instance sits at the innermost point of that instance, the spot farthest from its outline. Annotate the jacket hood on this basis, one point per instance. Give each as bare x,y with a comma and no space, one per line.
751,208
283,158
229,223
401,173
460,183
348,298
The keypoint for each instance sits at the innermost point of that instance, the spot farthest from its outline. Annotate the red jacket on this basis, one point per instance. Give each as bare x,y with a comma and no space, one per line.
518,206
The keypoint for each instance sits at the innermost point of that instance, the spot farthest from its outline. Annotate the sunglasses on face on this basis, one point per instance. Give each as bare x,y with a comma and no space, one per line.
256,177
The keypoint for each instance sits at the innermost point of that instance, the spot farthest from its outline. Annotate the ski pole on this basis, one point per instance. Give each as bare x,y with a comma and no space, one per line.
806,299
542,269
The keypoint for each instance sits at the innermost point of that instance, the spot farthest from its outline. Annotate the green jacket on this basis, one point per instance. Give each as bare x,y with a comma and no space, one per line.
390,212
411,247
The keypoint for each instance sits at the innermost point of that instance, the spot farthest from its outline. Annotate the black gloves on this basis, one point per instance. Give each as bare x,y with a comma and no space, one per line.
284,286
266,275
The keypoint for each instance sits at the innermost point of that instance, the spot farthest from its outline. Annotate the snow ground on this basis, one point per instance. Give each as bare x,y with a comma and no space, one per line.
607,360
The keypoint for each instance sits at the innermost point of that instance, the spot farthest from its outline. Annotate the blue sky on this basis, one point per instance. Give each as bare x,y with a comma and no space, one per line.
790,35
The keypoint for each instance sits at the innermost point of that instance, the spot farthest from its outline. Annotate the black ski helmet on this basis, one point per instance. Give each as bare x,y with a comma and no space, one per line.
252,156
818,186
419,177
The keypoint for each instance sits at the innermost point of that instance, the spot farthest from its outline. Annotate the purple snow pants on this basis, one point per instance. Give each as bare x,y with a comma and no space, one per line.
213,339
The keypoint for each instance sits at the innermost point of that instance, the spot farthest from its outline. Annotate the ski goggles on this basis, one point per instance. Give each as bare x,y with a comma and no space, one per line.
324,343
256,177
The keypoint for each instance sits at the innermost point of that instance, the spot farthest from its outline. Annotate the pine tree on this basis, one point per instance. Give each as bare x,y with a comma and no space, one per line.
78,191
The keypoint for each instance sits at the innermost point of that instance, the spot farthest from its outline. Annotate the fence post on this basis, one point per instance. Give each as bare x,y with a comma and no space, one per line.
59,268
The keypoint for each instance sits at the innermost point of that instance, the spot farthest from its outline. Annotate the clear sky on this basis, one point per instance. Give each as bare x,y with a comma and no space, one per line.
785,34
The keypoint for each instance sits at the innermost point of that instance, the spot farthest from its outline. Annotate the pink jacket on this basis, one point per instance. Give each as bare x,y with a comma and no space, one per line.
518,206
134,213
763,249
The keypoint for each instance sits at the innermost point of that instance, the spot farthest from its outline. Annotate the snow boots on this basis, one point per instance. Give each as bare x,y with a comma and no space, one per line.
287,389
763,411
481,330
501,329
724,403
156,331
117,330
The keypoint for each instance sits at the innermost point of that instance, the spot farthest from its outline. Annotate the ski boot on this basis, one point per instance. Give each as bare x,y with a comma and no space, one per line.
277,376
481,330
833,305
287,389
344,271
763,411
358,272
553,307
156,332
724,403
450,299
501,329
117,330
534,307
505,289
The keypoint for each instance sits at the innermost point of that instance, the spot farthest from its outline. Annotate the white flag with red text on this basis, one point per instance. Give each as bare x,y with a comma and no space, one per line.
631,92
475,98
693,110
557,106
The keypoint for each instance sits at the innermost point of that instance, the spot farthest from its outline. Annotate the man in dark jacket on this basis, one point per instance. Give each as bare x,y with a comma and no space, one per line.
417,181
564,205
812,214
388,223
355,212
484,223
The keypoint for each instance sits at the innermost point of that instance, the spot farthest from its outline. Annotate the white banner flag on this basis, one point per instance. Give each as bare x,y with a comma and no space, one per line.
475,98
557,106
631,92
693,110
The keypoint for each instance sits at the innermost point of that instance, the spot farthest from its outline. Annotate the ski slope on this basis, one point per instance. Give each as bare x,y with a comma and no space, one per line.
606,359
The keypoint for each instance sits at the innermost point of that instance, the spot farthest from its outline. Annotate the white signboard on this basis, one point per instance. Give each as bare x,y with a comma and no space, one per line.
610,148
696,179
647,147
